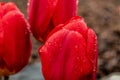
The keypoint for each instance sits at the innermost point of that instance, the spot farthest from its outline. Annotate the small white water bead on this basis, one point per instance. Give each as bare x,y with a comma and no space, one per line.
28,4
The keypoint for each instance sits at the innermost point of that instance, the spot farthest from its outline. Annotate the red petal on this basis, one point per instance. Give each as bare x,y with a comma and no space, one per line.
64,57
16,43
70,52
75,24
39,16
92,51
65,9
44,15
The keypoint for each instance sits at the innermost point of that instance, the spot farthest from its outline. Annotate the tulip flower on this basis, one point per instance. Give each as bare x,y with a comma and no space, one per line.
15,44
70,52
44,15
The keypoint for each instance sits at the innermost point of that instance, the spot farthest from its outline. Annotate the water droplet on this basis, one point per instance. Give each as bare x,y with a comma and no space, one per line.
49,43
95,50
76,49
78,58
84,60
28,4
95,44
76,46
95,38
54,44
92,61
94,69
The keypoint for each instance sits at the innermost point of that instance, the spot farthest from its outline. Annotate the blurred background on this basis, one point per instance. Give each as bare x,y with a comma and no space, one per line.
103,16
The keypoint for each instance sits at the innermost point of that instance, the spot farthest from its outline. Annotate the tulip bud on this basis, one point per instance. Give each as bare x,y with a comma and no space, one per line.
15,44
44,15
70,52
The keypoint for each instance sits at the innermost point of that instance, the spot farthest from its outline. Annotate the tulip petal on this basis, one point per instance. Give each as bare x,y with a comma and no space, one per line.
75,24
92,51
70,52
65,10
67,61
39,16
16,44
44,15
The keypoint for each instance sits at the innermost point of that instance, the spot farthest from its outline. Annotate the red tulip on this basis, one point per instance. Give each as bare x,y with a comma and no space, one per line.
70,53
44,15
15,45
